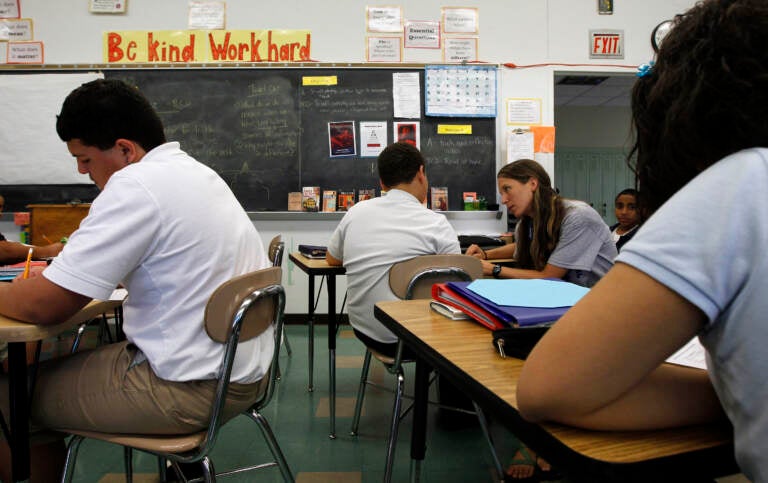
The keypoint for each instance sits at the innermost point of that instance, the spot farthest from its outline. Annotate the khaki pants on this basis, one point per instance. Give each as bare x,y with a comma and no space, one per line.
100,390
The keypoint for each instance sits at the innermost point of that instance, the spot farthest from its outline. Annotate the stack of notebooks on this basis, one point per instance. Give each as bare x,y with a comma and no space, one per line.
499,304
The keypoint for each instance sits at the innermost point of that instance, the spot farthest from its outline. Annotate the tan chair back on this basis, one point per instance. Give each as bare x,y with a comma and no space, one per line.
226,300
275,251
413,279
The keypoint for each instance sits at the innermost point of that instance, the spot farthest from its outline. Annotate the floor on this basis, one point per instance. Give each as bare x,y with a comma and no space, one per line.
456,452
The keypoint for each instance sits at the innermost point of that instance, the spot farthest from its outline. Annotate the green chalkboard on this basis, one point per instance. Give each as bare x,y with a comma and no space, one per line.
266,133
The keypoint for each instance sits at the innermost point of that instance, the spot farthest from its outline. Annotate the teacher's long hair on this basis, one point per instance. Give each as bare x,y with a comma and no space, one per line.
538,235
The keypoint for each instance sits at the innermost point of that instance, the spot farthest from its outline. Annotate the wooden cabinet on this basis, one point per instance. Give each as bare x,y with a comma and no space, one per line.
54,221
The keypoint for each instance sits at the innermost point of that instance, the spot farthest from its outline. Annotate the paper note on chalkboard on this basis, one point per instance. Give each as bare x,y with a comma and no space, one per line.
406,94
519,145
373,138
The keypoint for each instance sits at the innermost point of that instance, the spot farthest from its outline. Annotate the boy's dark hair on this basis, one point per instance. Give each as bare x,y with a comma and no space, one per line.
704,98
100,112
399,163
628,191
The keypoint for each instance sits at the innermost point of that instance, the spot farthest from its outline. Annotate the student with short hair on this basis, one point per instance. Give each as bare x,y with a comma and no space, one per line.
628,217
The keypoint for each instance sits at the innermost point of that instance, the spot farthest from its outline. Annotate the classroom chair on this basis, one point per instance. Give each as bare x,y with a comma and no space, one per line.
275,254
413,279
97,314
241,308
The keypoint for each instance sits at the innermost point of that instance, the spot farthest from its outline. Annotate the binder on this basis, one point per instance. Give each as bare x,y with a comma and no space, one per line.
510,314
490,315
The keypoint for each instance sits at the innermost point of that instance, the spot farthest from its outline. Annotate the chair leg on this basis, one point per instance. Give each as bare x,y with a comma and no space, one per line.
128,458
69,462
287,344
394,426
488,439
361,393
162,464
209,473
269,436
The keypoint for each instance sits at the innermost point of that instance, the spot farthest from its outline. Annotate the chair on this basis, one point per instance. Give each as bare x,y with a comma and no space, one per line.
413,279
241,308
275,254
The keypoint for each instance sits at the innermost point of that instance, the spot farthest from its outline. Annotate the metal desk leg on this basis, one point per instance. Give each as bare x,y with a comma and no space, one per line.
311,329
419,433
332,351
19,417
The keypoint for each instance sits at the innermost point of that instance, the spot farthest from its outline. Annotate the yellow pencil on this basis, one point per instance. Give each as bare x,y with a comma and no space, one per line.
26,265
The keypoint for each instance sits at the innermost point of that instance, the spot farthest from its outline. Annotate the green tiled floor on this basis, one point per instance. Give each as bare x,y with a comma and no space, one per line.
300,422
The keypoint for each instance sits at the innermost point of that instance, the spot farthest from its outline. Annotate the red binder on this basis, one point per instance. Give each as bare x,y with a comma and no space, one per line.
443,293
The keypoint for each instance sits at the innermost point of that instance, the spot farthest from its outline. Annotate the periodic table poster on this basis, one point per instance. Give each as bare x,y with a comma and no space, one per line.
460,90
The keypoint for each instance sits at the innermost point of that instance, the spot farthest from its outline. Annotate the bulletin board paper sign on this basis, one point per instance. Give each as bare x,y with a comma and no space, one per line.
460,20
107,6
454,129
384,19
543,139
422,34
16,29
25,53
519,145
207,15
10,9
529,293
460,49
341,139
319,80
406,94
384,49
408,132
373,138
523,111
460,90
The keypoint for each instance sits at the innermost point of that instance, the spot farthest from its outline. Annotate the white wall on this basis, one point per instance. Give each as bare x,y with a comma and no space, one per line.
544,33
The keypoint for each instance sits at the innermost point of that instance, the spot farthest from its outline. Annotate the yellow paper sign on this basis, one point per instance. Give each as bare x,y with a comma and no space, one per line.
454,129
318,80
194,46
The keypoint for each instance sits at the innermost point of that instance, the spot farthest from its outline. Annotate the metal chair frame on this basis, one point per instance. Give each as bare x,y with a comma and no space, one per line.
208,438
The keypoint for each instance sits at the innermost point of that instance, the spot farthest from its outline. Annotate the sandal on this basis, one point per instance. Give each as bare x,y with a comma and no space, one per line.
523,468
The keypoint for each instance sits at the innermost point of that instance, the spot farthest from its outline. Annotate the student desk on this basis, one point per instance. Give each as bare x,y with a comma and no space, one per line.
17,334
319,267
463,352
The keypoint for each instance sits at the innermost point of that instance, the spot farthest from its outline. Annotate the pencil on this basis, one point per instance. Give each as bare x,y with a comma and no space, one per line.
48,240
26,265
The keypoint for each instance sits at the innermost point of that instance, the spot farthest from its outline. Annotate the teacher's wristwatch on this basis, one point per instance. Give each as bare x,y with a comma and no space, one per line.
496,271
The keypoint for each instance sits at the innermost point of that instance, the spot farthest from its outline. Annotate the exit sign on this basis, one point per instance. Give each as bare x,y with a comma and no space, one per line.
606,44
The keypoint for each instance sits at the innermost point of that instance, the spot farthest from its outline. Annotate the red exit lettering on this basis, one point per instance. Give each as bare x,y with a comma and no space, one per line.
606,44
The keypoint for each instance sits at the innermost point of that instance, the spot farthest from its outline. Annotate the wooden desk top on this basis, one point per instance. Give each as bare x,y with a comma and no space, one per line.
315,266
11,330
469,351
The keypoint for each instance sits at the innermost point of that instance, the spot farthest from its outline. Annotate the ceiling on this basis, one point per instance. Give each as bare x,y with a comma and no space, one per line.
593,90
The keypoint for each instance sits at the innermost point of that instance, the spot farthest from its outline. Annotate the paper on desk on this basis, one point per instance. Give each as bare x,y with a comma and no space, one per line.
691,354
118,294
529,293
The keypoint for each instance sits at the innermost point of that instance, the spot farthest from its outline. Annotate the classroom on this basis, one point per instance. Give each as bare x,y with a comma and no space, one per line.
264,93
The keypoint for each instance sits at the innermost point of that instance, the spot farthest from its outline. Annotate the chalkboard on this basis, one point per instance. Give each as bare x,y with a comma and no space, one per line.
266,134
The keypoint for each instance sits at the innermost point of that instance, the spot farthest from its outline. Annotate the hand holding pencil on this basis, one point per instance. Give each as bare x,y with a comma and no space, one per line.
27,264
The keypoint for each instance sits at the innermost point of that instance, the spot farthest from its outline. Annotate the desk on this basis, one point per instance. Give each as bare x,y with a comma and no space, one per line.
17,334
463,352
314,267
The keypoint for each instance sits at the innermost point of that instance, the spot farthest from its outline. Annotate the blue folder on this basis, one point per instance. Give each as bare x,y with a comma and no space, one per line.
522,316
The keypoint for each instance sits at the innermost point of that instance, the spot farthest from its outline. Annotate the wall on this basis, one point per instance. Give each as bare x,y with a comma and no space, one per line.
523,32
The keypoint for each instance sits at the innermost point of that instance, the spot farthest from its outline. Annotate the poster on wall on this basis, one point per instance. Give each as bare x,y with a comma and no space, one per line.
373,138
341,138
107,6
384,49
460,20
207,15
10,9
460,49
408,132
16,29
422,34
